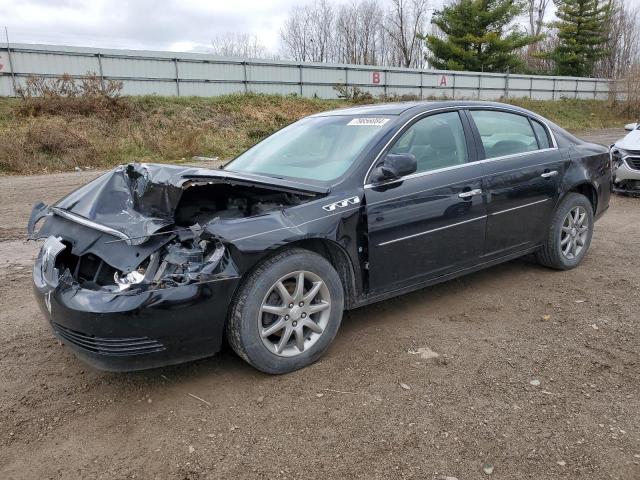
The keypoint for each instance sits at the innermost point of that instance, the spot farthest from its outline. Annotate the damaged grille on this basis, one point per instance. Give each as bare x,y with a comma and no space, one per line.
88,270
633,162
109,346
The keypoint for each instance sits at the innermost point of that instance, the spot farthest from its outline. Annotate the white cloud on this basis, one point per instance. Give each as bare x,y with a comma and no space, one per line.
179,25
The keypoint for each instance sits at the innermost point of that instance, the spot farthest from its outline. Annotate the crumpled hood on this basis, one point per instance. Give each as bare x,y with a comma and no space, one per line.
630,142
140,199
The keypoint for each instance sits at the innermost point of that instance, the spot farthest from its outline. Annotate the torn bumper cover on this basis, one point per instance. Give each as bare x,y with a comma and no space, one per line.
127,286
135,330
155,319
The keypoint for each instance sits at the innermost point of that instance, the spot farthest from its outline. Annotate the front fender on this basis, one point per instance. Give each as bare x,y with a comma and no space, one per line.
250,240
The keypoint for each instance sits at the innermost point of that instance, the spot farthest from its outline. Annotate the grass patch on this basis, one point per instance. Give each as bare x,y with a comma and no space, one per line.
576,115
72,133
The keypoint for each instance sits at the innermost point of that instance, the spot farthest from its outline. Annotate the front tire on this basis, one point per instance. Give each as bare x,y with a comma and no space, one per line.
287,312
569,234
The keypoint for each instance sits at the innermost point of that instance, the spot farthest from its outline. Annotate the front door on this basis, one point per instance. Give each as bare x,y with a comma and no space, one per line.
523,170
431,222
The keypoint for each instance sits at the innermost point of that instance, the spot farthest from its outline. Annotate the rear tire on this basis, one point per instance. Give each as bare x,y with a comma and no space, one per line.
287,312
569,234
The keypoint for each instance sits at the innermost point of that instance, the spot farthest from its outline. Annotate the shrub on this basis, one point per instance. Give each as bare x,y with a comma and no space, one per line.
89,95
352,94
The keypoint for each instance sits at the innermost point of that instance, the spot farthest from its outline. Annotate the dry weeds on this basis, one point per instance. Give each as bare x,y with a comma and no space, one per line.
61,126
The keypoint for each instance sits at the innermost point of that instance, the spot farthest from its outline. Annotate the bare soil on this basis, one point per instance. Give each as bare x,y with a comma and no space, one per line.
373,407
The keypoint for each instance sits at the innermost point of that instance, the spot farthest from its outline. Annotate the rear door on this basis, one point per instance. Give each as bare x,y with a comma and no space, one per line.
431,222
523,169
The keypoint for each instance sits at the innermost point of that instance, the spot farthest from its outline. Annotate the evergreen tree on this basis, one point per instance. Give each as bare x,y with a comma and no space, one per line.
477,36
583,31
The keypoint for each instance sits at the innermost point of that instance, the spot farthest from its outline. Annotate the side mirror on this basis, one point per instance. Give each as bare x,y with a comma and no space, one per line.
394,165
630,126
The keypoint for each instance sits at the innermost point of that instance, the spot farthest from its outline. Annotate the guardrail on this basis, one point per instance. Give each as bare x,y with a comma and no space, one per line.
187,74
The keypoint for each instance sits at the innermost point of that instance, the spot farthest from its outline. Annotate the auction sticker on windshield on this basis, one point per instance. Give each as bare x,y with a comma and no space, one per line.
370,121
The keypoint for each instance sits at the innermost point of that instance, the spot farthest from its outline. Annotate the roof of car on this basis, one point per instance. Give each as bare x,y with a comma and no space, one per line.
399,108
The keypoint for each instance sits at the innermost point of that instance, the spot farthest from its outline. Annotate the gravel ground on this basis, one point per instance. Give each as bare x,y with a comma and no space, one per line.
537,376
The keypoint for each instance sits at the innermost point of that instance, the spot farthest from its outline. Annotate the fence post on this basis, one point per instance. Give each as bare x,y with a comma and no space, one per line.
99,55
531,88
13,74
346,77
454,86
575,94
595,89
175,64
385,82
553,89
479,85
300,72
246,79
421,85
506,84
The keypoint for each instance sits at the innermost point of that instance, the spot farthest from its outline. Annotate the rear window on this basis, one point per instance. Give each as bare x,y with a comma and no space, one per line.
541,133
504,133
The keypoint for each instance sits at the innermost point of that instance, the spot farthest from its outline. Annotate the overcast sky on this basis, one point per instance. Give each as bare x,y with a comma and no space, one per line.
178,25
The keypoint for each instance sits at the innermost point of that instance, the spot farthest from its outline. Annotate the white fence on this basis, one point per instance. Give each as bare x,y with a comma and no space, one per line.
186,74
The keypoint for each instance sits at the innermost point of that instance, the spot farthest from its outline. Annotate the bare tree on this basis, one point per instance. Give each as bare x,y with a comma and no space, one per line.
404,21
536,13
347,34
623,42
235,44
321,22
360,32
370,37
308,33
537,10
295,34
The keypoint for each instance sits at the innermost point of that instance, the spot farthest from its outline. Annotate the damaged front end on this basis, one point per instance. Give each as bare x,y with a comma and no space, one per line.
78,261
133,265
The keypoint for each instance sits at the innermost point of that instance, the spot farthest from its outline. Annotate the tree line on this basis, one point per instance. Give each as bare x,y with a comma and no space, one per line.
562,37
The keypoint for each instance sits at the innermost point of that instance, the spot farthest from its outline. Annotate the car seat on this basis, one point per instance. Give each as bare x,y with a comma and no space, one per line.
434,146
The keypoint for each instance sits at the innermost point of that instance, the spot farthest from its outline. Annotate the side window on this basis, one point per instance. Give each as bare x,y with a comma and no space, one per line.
541,133
504,133
437,141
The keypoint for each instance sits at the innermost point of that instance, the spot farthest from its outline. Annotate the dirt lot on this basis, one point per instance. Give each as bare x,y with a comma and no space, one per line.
497,333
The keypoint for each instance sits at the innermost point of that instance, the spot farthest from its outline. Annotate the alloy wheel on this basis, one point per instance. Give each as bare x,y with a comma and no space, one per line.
574,232
294,313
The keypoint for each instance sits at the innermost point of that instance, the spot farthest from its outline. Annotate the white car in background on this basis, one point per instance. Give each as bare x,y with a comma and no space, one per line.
625,161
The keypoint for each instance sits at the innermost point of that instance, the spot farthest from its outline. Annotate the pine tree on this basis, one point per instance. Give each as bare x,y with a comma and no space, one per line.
477,36
583,30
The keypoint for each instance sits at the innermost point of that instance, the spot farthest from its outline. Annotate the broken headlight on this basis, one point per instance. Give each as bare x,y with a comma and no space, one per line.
143,273
176,264
617,156
125,281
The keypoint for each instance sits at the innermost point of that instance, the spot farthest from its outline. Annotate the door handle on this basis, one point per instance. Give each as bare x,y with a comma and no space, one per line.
550,174
470,193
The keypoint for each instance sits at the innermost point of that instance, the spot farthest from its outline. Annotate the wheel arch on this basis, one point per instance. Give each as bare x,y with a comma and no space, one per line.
338,257
588,190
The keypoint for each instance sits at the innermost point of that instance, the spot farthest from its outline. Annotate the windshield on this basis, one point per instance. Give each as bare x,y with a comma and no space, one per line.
317,148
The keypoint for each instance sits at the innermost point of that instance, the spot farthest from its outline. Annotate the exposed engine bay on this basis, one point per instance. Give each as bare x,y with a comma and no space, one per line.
149,226
203,203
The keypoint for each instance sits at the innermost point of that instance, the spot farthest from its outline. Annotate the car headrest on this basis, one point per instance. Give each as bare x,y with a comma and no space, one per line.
438,137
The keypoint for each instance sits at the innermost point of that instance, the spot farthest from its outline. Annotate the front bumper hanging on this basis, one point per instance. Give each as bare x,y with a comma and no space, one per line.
126,331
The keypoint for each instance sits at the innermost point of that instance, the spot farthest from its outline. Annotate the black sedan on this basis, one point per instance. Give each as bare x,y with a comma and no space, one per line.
150,265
